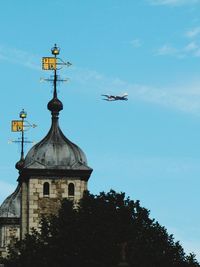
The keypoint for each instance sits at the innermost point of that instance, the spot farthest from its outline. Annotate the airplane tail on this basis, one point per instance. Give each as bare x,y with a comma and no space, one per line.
125,94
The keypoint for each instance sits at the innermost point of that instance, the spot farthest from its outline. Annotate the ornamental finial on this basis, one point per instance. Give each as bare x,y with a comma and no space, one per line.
54,64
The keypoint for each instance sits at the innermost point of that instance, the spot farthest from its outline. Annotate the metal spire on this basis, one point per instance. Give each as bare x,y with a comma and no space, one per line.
55,51
54,63
22,115
21,126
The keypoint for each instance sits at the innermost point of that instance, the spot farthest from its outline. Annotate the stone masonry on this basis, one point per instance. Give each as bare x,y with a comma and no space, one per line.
35,204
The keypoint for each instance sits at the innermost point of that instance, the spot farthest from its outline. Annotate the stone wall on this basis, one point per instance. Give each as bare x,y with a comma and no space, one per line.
40,204
9,234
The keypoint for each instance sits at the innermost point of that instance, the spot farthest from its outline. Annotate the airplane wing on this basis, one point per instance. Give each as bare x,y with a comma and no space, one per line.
109,99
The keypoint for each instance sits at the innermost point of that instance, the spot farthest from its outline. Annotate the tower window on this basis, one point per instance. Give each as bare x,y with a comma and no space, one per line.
71,190
46,189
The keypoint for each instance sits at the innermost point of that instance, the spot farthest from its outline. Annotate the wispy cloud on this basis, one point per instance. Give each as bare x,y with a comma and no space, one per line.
136,43
167,49
193,32
184,97
19,57
173,2
190,47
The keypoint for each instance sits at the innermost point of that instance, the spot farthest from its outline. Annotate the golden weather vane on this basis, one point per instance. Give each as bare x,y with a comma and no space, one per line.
54,63
21,126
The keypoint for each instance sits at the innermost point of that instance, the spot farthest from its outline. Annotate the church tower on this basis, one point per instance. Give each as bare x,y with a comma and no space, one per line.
53,169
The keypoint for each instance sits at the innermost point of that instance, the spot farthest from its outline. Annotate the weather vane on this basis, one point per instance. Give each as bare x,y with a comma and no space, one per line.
54,63
21,126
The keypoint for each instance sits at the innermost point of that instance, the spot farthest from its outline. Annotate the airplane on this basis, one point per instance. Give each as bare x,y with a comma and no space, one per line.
116,97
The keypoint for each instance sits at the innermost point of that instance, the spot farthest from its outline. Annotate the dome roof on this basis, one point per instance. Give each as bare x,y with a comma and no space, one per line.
55,151
10,208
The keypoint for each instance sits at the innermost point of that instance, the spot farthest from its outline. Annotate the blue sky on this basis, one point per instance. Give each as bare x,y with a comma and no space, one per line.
149,146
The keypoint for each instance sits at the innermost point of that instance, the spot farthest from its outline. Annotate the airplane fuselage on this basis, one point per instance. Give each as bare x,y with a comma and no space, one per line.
115,98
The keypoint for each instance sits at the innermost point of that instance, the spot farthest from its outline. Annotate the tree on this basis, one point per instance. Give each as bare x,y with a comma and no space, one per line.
101,231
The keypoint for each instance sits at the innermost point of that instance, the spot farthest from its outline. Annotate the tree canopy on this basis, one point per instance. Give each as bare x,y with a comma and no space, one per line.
105,230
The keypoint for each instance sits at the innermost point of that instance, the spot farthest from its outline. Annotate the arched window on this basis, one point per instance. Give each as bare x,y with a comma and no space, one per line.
46,189
71,190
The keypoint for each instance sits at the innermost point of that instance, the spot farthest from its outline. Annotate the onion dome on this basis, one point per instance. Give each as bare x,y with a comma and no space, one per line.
10,208
55,152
